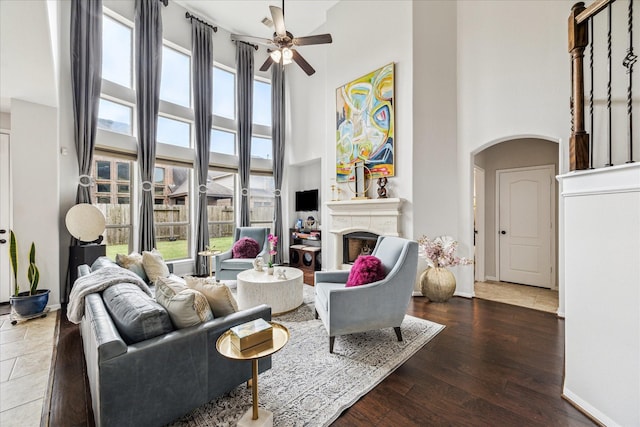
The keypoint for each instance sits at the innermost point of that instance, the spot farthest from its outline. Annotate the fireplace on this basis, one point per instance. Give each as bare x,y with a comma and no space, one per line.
356,244
355,226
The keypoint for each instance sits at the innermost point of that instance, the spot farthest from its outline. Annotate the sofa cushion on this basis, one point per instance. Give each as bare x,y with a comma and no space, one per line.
245,247
154,265
132,262
136,315
366,269
218,295
100,262
186,307
237,264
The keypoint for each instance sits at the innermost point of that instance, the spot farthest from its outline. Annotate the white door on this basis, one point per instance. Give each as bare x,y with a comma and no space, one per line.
525,225
5,269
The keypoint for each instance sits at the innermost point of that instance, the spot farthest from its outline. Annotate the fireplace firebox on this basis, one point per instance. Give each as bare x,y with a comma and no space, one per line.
356,244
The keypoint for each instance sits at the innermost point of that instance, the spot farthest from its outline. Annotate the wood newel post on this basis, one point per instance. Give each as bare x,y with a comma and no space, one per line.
579,140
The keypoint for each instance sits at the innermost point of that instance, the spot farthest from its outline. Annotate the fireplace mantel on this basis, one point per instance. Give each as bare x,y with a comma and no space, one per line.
379,216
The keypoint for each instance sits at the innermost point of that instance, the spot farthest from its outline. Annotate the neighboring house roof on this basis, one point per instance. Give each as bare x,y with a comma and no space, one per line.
214,190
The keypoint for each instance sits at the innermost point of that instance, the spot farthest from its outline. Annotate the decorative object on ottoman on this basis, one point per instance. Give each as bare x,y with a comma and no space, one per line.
245,247
258,263
437,282
282,274
366,269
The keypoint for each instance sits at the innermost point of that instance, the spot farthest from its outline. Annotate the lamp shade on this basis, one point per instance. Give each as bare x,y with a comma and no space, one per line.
85,222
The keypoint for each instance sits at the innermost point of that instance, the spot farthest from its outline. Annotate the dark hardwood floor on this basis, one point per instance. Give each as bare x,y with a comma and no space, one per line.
493,365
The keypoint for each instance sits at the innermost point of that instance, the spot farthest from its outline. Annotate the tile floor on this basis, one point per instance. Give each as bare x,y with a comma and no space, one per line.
521,295
25,359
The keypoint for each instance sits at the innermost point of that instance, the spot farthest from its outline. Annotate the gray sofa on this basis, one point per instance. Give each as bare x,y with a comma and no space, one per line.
154,381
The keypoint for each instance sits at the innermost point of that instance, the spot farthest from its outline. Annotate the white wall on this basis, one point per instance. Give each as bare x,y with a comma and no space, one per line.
34,177
513,81
363,42
5,121
602,327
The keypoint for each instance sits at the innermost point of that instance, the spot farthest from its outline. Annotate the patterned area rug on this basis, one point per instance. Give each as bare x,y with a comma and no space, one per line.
308,386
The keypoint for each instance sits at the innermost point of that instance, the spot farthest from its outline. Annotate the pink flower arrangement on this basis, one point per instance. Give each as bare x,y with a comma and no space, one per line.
441,252
273,242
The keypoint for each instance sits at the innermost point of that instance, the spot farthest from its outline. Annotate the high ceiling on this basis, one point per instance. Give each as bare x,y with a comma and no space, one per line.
302,17
27,62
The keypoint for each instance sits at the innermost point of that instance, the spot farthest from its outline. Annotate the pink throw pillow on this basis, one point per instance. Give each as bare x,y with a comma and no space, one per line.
245,248
366,269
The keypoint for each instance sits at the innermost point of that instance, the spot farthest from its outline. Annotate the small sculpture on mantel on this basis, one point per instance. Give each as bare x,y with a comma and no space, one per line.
382,191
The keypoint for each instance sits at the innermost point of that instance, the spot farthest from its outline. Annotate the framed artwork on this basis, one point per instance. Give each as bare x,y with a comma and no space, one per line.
365,125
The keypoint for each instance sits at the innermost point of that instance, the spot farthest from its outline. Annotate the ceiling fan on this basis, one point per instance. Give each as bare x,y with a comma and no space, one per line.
282,47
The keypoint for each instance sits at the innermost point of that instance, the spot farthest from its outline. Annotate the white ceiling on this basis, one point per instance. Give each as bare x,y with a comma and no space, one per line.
301,17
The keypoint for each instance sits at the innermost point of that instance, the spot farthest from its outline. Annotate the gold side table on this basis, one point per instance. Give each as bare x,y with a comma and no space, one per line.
228,350
210,254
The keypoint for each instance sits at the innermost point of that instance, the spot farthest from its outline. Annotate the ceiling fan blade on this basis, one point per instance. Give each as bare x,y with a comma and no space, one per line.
317,39
302,63
267,64
254,40
278,20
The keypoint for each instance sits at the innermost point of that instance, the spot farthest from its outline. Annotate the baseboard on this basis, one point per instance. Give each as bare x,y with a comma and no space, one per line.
594,414
464,294
416,294
560,314
492,278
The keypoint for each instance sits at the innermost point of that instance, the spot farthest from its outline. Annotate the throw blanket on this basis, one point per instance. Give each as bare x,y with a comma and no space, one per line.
98,281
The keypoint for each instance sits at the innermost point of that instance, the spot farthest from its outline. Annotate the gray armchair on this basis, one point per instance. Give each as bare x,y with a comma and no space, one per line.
377,305
227,267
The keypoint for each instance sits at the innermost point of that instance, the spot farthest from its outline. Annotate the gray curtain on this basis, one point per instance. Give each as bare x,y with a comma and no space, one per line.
148,42
277,140
86,82
202,42
244,95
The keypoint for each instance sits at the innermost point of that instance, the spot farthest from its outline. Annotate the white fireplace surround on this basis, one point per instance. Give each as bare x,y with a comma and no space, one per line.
379,216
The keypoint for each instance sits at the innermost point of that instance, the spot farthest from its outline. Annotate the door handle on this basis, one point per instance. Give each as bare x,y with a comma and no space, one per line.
2,231
2,241
503,232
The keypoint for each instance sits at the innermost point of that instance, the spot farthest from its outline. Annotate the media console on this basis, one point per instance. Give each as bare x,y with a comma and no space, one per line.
305,253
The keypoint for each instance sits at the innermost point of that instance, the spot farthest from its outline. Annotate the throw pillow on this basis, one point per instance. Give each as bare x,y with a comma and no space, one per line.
132,262
154,265
245,248
218,295
366,269
186,307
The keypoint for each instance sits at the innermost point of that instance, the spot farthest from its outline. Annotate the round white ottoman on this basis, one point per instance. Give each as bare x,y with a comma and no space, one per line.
258,287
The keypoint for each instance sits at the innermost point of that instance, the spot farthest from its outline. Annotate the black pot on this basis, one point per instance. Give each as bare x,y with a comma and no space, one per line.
28,305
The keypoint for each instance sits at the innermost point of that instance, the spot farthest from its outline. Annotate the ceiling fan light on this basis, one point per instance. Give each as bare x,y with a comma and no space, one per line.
287,55
276,55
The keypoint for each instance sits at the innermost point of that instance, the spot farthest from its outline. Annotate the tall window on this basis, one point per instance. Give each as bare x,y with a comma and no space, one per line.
115,117
223,141
262,201
111,195
224,93
116,52
171,210
175,83
220,209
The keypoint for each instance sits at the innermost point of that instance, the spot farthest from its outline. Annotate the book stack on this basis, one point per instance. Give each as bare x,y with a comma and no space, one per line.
251,334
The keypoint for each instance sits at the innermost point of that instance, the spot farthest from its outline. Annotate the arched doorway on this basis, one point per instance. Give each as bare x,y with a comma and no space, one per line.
511,261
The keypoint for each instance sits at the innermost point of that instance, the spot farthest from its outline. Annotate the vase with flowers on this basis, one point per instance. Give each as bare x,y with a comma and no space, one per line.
437,282
273,242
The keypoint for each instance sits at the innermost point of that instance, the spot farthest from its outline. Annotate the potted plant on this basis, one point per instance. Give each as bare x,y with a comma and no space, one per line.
33,301
437,282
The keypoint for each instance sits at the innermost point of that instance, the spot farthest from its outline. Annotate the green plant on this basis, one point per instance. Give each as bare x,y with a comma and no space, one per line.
33,273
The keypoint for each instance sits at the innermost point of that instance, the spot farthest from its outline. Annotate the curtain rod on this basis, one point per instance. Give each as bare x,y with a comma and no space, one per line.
190,16
255,46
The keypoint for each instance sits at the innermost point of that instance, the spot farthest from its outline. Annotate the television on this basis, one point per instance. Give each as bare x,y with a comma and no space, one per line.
306,200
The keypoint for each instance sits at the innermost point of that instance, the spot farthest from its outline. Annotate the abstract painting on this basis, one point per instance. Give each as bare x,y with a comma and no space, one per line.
365,125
